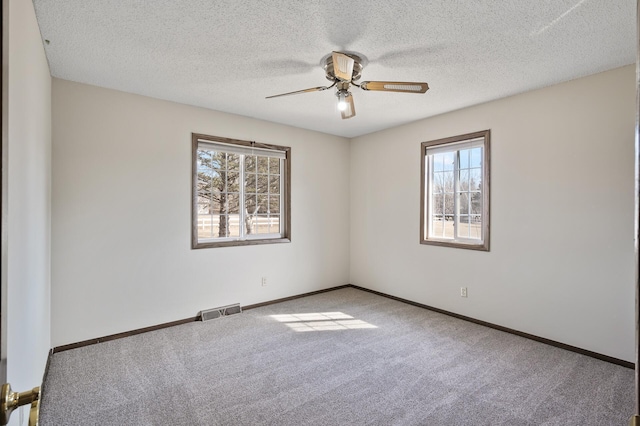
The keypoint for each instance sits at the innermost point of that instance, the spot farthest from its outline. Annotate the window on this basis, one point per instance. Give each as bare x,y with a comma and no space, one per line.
240,192
454,208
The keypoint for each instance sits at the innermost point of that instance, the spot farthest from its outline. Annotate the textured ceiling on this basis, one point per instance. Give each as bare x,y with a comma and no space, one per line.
228,55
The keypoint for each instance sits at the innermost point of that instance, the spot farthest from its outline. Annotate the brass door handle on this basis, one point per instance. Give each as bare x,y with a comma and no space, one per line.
10,400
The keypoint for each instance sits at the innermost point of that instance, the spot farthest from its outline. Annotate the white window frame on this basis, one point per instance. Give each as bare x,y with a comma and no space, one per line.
454,145
217,144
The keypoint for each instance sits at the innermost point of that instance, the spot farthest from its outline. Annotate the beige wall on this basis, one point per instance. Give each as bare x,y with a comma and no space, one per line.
561,259
121,215
562,256
29,200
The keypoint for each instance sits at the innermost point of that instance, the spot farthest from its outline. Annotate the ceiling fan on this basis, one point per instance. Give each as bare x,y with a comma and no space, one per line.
344,69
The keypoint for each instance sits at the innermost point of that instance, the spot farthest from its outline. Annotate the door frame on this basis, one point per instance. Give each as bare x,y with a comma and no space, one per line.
4,164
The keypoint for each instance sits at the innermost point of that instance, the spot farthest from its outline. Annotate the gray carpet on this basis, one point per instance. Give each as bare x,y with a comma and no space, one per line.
367,360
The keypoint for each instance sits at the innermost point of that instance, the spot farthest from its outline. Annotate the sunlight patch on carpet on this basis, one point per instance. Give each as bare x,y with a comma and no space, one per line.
321,321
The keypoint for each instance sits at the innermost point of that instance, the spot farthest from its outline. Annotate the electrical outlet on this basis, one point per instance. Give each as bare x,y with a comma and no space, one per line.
463,292
264,281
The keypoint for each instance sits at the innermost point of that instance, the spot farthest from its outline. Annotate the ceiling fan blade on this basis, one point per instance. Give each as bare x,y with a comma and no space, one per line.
342,66
350,111
395,86
313,89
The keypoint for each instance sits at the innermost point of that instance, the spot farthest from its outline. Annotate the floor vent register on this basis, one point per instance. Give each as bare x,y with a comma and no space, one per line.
222,311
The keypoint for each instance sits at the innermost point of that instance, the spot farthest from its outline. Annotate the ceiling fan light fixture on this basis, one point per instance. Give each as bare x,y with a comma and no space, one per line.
350,110
342,100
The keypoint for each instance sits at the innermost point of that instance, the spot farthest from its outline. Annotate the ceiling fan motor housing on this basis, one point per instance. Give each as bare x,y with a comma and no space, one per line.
357,68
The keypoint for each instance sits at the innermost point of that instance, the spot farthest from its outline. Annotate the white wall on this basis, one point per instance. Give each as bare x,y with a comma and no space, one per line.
29,201
121,256
562,258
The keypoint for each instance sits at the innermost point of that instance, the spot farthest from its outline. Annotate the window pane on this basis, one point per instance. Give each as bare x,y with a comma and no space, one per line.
250,203
209,181
463,203
219,181
274,204
223,226
464,180
448,181
233,162
263,184
448,226
249,224
476,203
234,215
475,179
216,205
437,214
437,208
438,182
274,165
470,227
250,182
448,158
204,171
234,225
274,184
204,208
437,226
233,203
263,164
442,216
203,159
219,160
438,164
463,226
261,224
233,182
204,175
464,158
204,198
204,181
250,163
463,218
448,205
263,203
274,224
475,228
206,226
208,175
476,157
